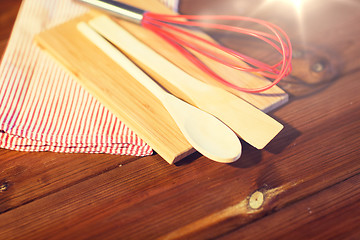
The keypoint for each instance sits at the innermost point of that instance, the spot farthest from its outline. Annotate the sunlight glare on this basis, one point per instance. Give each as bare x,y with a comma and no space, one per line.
297,3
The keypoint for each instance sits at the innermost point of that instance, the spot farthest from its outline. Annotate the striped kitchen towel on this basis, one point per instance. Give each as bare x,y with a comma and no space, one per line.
41,107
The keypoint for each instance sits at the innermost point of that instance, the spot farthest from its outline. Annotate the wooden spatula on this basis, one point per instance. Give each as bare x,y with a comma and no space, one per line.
251,124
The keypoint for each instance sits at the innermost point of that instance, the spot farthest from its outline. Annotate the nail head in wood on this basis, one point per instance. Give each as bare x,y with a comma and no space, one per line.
256,200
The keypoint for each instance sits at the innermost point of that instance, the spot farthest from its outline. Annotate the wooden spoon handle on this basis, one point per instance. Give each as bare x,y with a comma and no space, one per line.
122,61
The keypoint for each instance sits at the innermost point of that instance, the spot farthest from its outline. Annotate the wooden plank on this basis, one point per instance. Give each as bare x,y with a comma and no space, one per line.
29,176
113,202
310,218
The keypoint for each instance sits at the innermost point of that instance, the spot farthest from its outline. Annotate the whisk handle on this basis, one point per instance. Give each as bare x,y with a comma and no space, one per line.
118,9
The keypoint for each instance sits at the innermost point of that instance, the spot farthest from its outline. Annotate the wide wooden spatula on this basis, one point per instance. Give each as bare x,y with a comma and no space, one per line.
251,124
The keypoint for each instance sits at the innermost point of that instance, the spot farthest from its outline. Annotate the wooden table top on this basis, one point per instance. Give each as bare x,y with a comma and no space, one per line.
304,185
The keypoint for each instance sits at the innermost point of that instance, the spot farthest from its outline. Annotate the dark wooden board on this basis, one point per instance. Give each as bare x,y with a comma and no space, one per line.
309,174
312,217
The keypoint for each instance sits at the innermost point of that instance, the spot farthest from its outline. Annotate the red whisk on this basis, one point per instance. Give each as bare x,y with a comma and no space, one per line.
171,28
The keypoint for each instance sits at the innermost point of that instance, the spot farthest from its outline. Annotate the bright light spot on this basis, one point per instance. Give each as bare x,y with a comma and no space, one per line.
297,3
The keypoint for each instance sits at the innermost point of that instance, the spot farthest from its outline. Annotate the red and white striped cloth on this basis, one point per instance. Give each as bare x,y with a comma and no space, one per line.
41,107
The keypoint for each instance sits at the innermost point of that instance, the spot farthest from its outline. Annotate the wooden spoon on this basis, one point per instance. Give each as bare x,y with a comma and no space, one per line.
205,133
251,124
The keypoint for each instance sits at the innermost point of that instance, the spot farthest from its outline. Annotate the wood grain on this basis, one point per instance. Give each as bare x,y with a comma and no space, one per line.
297,221
29,176
311,166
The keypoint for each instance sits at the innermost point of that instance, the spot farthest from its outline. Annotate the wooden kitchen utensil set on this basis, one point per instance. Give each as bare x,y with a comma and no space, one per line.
96,50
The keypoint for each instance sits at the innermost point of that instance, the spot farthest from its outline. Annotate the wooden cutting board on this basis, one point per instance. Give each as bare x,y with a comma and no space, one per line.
124,96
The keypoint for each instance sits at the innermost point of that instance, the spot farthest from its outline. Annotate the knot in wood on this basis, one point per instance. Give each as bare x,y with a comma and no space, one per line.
256,200
3,187
318,67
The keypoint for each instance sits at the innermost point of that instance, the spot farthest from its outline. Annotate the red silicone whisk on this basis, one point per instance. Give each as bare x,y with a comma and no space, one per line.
171,28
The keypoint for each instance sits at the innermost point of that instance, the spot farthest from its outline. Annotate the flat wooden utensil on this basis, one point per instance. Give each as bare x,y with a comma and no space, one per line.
251,124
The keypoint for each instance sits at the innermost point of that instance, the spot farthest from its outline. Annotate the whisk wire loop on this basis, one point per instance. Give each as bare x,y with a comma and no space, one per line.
167,27
170,28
